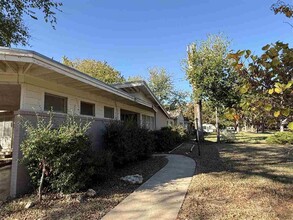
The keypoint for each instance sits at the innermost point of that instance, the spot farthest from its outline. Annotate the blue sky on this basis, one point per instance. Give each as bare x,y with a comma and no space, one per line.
134,35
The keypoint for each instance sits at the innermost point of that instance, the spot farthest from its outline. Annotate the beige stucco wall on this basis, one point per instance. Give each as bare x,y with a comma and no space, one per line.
161,119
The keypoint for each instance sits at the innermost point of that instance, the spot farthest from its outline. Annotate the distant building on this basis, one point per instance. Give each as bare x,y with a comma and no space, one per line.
177,117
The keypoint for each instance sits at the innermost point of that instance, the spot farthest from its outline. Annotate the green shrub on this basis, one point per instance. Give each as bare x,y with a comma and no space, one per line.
228,136
64,154
180,133
285,137
101,165
168,137
128,142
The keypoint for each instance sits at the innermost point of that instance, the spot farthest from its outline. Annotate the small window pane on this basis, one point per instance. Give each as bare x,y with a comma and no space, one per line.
148,122
108,112
55,103
87,109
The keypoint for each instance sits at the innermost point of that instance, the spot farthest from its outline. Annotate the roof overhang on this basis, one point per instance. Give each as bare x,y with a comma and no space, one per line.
31,62
137,86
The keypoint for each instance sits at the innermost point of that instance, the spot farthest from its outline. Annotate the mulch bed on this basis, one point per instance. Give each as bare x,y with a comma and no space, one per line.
110,194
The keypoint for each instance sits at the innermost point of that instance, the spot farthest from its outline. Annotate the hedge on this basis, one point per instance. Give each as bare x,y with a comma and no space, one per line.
128,142
168,137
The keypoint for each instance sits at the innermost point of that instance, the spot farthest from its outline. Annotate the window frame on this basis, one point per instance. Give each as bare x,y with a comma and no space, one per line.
56,96
109,107
88,103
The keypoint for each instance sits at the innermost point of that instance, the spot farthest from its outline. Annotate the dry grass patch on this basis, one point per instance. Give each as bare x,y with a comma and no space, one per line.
241,181
110,193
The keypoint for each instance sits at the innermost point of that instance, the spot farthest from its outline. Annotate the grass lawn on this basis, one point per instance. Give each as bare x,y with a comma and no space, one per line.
110,193
240,181
244,137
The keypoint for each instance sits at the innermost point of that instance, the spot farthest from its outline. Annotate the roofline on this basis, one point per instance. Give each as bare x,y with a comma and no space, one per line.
36,58
142,83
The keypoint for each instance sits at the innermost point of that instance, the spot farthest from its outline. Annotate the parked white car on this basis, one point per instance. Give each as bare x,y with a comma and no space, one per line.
231,129
208,128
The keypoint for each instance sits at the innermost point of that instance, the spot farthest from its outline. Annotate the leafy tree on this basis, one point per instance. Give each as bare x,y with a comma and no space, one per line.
97,69
280,7
134,78
160,83
268,80
177,100
210,73
13,29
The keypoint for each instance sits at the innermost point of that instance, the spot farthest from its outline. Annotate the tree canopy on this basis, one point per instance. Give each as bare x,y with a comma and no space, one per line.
134,78
13,28
268,79
97,69
160,83
280,7
210,73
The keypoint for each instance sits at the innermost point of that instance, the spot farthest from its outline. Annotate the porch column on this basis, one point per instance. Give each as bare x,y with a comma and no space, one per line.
15,156
118,113
140,119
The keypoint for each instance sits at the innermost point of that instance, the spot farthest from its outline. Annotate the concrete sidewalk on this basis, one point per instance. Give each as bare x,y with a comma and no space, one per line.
161,196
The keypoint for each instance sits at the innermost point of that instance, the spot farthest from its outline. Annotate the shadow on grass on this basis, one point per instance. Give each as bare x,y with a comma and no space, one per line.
269,161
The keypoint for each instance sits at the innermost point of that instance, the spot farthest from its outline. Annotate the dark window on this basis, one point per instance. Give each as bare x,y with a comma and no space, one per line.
87,108
55,103
108,112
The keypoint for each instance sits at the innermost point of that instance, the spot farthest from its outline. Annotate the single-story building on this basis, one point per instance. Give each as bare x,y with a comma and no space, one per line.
32,83
177,116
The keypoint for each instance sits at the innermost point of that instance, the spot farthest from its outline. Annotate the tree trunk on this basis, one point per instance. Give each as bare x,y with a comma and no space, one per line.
42,180
195,115
263,125
282,122
200,128
217,126
237,126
